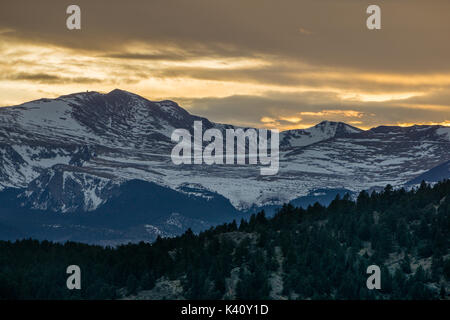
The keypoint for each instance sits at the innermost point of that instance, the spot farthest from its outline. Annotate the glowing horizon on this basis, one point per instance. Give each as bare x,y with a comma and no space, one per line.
290,74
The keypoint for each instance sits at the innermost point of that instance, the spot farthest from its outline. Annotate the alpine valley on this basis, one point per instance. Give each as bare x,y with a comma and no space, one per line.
96,168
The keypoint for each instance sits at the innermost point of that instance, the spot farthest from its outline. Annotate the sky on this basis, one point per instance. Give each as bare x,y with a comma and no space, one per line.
282,64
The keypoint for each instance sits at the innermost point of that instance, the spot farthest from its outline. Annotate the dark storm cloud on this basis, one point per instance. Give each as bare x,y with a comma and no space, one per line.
327,33
140,56
49,78
438,97
312,107
253,62
292,75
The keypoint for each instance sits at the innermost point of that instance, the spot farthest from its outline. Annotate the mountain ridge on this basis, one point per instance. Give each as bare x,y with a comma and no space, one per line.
124,93
68,155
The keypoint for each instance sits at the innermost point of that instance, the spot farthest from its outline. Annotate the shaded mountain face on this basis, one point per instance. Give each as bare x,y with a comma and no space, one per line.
320,132
63,188
435,174
74,153
135,211
117,120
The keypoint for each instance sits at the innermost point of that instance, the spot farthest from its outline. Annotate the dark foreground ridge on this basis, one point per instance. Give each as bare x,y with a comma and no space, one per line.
318,253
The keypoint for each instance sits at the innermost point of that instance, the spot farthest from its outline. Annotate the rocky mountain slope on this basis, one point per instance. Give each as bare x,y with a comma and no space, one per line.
74,153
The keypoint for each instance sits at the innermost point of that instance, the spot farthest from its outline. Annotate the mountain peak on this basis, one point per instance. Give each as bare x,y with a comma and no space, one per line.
320,132
336,128
121,92
82,94
328,122
87,93
70,154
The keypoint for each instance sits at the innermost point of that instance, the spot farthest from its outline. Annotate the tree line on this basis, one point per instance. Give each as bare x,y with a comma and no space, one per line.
316,252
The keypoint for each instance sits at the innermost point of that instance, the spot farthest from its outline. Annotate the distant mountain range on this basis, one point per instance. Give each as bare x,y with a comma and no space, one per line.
96,168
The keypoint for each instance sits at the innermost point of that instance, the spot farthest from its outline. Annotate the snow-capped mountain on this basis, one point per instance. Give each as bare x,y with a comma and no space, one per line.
73,154
64,188
435,174
320,132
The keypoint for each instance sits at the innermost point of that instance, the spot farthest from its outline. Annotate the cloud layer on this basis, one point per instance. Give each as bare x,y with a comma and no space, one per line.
287,63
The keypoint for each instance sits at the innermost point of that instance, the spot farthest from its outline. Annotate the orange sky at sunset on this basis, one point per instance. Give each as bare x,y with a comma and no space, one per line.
288,64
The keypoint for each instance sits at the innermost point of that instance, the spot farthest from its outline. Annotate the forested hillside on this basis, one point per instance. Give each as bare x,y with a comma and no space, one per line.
314,253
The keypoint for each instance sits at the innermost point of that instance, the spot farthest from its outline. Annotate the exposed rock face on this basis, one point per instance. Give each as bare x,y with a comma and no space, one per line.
71,154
